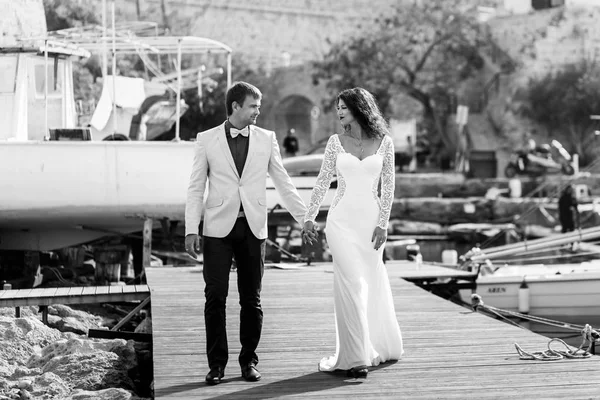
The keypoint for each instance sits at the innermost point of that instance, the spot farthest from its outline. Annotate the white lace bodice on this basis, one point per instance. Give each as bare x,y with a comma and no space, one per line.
379,167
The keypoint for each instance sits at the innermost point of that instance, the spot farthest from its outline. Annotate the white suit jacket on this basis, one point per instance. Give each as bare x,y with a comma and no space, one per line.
227,190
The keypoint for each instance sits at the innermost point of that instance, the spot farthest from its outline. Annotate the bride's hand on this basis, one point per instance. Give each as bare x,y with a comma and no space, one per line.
309,233
379,237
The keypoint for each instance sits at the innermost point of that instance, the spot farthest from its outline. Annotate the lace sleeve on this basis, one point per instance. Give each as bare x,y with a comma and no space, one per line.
323,180
388,183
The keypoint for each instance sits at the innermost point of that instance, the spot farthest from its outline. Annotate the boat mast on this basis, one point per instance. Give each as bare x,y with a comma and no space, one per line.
178,103
104,49
114,69
46,133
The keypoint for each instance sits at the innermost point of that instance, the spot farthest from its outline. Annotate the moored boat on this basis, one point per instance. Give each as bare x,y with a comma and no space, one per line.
552,290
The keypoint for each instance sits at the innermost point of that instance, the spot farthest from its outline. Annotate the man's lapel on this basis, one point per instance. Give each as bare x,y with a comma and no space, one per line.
252,146
226,150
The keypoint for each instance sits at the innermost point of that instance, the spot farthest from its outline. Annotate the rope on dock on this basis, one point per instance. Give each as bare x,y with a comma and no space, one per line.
553,355
588,334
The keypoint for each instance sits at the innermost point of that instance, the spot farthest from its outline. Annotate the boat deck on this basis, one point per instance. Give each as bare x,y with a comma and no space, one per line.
450,352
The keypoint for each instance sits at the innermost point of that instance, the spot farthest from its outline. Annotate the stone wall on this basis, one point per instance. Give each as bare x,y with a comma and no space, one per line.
21,18
545,40
273,33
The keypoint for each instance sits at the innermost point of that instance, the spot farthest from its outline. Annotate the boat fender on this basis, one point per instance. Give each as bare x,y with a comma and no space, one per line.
524,297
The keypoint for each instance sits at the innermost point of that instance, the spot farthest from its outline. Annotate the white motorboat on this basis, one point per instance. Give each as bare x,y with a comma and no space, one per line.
56,193
569,289
551,290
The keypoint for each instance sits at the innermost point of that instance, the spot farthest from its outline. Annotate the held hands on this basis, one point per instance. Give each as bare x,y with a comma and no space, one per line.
309,233
379,237
192,245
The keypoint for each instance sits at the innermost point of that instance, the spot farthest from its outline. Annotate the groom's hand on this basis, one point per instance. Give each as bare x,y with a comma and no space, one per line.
192,245
379,237
309,233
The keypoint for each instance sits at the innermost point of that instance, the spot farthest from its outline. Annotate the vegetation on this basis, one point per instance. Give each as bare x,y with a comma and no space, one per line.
63,14
563,101
422,51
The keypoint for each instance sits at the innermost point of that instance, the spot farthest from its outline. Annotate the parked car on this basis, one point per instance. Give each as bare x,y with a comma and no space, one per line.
307,165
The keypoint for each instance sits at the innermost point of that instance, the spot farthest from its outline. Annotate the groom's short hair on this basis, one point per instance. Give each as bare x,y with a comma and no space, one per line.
238,92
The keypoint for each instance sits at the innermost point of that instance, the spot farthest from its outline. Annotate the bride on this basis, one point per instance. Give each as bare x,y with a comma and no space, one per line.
356,229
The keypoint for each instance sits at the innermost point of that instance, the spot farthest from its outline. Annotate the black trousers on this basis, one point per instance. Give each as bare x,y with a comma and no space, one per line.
249,253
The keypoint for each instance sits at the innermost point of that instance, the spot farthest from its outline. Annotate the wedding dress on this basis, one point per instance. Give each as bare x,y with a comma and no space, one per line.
366,326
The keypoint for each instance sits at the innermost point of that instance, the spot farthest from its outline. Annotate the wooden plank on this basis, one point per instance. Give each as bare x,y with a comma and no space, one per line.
116,289
147,243
142,288
70,295
63,291
20,294
128,289
75,291
105,334
89,291
449,352
100,290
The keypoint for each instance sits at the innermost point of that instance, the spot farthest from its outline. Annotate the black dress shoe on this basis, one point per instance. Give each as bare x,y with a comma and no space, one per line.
250,373
215,376
358,372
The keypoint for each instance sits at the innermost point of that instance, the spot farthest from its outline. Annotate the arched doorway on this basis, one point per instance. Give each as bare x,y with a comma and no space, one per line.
294,112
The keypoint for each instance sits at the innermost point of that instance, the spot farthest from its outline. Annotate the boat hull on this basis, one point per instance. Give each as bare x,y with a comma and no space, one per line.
59,194
550,295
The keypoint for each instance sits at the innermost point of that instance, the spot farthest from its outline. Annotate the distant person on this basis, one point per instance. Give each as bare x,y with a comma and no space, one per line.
567,210
524,152
290,143
356,230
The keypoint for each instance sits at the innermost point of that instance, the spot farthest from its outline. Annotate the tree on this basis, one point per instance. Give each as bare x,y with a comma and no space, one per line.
63,14
563,101
212,112
420,50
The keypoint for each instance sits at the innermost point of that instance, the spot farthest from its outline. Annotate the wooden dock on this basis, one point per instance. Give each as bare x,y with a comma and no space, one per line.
450,352
72,295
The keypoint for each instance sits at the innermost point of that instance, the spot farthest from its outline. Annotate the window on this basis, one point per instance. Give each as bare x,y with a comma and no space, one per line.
55,78
8,72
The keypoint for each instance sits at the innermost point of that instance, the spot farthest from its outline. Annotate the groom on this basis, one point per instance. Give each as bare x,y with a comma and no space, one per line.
235,158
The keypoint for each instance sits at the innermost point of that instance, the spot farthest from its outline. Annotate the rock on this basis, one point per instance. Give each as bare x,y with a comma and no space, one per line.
20,338
21,372
145,326
107,394
88,364
442,210
49,386
25,312
6,369
24,384
70,324
72,320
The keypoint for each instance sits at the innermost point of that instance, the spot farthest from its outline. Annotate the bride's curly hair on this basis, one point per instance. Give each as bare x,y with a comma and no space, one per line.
365,111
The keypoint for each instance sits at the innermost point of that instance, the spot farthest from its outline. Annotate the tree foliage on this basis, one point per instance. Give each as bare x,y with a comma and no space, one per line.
63,14
563,101
420,50
212,111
